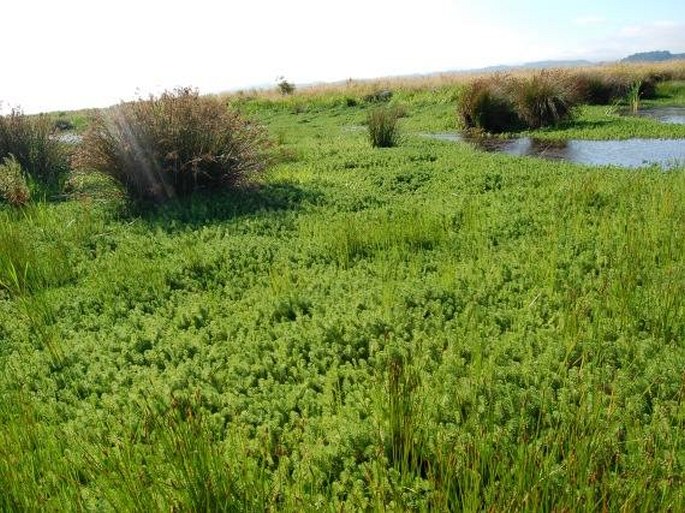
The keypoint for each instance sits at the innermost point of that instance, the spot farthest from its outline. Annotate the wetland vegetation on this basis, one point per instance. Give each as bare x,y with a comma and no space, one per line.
426,327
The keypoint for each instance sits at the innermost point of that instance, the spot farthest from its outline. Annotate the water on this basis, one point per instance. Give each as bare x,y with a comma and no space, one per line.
631,153
69,138
672,115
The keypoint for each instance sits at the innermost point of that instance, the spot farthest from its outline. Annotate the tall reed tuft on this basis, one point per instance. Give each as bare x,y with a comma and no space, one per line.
634,95
13,187
383,130
542,99
502,103
41,156
401,383
166,147
595,88
486,105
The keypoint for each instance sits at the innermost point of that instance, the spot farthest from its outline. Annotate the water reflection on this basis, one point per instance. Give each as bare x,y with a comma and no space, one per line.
631,153
671,115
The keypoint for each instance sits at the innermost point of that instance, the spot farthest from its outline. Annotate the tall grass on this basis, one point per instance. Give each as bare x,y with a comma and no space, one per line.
486,105
543,99
347,237
607,86
170,146
599,88
29,139
434,83
13,187
383,129
634,96
507,103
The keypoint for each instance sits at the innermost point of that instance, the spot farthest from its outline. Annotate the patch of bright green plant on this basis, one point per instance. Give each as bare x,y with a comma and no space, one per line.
426,329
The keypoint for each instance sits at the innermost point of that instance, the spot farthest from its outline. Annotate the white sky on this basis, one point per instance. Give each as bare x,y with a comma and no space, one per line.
60,55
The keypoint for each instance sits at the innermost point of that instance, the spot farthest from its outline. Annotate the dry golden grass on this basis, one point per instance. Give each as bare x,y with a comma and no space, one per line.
670,70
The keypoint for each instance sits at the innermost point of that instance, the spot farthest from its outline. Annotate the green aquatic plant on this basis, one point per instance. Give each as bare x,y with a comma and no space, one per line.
431,328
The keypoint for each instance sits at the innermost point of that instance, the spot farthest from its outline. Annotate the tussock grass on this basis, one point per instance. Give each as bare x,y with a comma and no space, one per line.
13,187
29,139
167,147
543,99
383,128
505,103
487,105
598,88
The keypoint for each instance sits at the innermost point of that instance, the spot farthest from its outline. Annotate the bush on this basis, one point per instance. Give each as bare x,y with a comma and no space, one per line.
13,188
592,88
381,96
502,104
170,146
30,140
542,99
383,131
596,88
285,87
485,105
63,124
649,84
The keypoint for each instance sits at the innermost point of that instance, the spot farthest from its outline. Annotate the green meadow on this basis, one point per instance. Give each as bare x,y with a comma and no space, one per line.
424,327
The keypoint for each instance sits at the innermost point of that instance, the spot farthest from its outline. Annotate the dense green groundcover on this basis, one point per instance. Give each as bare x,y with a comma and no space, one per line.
419,328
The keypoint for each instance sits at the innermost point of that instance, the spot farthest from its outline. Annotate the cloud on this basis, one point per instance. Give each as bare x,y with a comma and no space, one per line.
587,21
628,39
651,30
659,35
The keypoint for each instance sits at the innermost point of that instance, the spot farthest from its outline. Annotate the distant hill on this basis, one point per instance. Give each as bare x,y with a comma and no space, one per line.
657,56
539,65
557,64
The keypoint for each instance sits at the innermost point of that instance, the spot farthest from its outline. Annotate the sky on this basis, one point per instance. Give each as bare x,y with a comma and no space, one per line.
70,54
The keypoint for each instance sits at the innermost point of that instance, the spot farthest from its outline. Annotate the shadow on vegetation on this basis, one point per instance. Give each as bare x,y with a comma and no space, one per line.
204,207
585,124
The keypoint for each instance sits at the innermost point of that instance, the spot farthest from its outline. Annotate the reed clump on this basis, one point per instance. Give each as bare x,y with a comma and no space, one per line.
383,128
486,105
13,187
169,146
542,99
507,103
31,142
